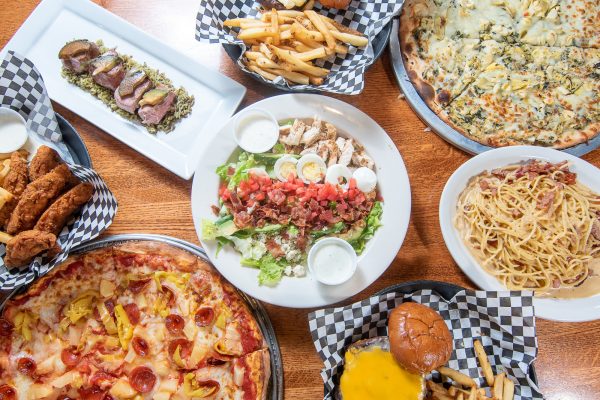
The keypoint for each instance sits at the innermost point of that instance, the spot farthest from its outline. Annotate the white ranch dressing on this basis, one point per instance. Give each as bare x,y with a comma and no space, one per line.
13,133
256,132
332,263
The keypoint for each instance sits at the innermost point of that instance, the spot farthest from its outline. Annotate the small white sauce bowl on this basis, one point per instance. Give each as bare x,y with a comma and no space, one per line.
332,241
270,136
12,120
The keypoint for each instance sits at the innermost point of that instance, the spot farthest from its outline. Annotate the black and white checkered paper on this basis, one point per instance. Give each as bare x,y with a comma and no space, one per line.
22,89
94,218
503,321
347,72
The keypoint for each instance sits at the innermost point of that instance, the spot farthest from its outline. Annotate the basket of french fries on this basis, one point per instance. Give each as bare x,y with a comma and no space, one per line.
307,48
476,345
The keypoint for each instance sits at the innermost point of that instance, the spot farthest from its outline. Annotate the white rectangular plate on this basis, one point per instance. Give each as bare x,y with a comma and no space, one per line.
55,22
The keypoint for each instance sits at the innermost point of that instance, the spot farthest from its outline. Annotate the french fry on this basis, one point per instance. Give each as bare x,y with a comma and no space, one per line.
290,13
452,390
267,75
5,196
253,55
237,22
291,76
498,387
317,81
435,387
472,394
255,33
4,170
460,396
484,362
339,27
275,26
440,396
286,35
300,31
354,40
309,5
254,24
263,48
509,389
300,66
4,237
264,62
319,52
321,27
457,377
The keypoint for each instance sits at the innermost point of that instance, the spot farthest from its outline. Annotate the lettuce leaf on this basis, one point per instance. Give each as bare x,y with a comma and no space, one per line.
373,223
270,270
240,173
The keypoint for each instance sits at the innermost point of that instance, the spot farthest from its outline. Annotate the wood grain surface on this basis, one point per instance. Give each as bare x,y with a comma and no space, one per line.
153,200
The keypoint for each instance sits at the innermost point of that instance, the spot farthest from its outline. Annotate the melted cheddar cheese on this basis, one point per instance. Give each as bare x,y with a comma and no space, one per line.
374,375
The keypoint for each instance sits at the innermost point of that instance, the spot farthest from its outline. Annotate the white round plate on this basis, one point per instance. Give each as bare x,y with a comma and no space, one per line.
393,186
572,310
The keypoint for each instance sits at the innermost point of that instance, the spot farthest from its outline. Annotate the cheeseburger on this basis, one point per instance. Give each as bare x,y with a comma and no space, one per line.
393,366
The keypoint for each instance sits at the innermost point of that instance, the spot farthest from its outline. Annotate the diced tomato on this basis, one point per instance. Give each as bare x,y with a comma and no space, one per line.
352,183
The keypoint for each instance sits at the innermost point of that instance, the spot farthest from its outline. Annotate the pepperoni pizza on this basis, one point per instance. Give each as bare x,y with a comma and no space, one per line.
139,320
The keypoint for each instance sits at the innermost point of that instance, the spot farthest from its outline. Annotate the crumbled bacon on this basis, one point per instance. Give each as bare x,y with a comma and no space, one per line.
536,168
545,200
275,249
242,219
596,228
215,210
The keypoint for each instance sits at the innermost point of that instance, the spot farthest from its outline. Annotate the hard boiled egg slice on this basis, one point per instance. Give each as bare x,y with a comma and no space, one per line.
284,167
311,168
365,178
338,174
258,172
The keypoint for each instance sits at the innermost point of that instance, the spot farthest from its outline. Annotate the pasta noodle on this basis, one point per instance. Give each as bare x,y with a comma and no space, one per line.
532,226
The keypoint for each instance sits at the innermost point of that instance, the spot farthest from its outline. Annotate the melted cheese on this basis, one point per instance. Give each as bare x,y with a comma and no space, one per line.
374,374
520,71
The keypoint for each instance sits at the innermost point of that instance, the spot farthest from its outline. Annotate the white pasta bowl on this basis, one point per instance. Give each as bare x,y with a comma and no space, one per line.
572,309
393,186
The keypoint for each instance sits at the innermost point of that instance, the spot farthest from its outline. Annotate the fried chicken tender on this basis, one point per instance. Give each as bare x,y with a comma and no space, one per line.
44,161
15,182
57,215
22,248
36,197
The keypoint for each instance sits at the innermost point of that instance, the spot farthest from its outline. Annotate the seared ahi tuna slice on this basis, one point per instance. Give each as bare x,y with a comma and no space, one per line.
155,105
77,54
130,102
107,70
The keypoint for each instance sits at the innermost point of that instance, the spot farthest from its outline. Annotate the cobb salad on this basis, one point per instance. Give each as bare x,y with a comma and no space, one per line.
274,205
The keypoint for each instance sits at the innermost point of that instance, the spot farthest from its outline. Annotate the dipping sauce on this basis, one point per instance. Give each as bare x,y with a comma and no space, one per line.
256,131
332,261
13,132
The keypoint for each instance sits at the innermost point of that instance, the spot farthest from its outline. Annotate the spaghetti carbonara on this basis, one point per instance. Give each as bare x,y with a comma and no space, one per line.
532,225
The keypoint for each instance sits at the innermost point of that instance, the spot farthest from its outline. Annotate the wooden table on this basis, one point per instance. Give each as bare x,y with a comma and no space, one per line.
153,200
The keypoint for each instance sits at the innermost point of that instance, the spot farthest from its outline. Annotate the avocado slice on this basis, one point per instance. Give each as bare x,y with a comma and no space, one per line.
354,232
227,228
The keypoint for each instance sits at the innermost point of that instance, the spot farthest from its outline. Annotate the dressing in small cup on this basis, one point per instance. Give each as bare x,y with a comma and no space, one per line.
256,131
13,131
332,261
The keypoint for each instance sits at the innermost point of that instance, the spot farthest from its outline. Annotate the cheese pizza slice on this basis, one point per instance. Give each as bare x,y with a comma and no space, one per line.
516,100
559,23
